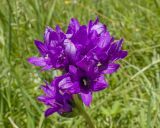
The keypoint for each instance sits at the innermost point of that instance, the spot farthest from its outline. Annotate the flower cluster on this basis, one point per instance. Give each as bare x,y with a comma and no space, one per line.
85,53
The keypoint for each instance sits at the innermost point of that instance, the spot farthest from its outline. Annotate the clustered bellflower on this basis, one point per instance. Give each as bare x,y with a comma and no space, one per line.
85,53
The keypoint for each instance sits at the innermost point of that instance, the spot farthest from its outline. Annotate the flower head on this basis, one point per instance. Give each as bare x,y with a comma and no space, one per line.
85,53
56,100
95,54
51,50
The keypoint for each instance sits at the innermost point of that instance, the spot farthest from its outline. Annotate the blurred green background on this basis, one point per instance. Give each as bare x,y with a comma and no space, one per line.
133,97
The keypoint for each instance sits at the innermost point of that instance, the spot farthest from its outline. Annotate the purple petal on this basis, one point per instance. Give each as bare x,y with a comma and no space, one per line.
80,37
119,55
58,29
41,98
97,20
50,111
60,33
87,63
99,83
50,35
49,90
115,51
90,23
122,54
47,67
86,98
73,70
70,48
104,40
115,47
112,68
47,34
41,47
38,61
73,26
93,36
99,27
65,83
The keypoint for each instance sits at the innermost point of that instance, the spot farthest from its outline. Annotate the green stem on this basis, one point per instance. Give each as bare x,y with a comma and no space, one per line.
87,118
83,112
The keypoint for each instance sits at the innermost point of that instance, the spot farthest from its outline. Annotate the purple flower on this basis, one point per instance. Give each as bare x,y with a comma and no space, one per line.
77,81
51,51
55,99
85,53
95,54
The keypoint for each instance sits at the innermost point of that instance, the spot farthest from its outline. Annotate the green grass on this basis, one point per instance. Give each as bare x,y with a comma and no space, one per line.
133,97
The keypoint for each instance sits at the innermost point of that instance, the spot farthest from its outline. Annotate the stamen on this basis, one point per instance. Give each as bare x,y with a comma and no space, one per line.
84,82
46,57
99,64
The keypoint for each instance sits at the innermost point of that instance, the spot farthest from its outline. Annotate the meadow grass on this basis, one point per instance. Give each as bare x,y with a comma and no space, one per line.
133,97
